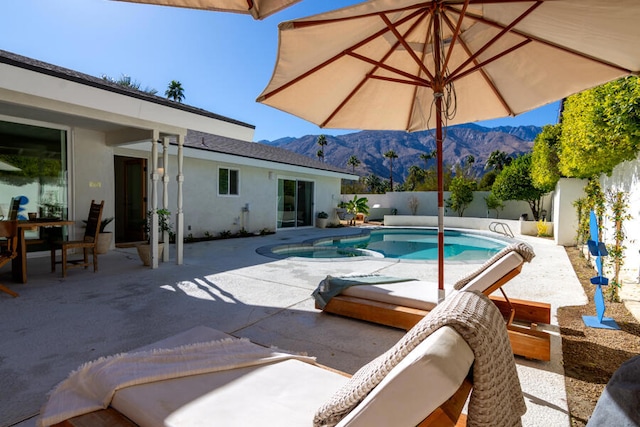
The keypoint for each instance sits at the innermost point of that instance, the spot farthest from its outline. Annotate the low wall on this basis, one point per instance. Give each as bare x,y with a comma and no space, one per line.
527,228
428,204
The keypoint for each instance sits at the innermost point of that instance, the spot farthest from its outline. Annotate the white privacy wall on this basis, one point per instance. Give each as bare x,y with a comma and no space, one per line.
626,177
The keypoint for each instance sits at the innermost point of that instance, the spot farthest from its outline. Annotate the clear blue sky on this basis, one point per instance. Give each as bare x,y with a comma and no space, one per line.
223,60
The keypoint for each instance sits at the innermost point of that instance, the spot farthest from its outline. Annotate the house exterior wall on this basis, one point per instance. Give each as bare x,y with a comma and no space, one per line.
207,212
92,175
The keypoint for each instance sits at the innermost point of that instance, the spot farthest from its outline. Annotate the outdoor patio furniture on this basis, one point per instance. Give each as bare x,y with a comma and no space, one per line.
14,207
403,302
9,231
264,386
88,243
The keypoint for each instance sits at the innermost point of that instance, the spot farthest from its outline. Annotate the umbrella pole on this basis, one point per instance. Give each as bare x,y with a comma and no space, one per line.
440,172
438,93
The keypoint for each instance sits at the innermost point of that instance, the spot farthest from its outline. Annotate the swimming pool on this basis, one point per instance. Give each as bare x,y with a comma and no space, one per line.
398,243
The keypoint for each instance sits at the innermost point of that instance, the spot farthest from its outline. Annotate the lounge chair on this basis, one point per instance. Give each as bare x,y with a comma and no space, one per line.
401,302
422,380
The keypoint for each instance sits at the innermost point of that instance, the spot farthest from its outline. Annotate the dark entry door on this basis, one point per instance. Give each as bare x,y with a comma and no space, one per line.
131,198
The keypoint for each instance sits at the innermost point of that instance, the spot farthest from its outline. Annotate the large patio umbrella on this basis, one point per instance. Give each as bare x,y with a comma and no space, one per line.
415,65
259,9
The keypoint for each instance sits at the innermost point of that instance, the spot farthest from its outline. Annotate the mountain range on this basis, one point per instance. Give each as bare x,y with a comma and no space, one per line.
369,147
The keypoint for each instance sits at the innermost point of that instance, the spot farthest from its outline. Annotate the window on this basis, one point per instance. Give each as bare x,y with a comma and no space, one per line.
228,182
33,167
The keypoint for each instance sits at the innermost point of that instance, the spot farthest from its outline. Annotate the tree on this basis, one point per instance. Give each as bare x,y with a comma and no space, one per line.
600,128
414,179
175,91
320,155
493,203
428,156
353,162
461,189
390,155
498,160
544,160
322,141
464,168
515,183
431,179
127,81
487,180
374,183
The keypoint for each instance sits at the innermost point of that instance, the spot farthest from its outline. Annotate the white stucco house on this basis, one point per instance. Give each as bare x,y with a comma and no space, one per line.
67,138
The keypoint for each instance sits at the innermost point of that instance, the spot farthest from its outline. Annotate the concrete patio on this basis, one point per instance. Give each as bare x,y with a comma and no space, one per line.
57,324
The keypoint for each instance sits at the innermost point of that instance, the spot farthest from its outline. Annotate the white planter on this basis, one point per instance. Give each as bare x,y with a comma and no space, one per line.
322,222
104,242
144,251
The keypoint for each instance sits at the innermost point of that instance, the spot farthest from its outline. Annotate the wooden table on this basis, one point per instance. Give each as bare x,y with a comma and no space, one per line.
19,266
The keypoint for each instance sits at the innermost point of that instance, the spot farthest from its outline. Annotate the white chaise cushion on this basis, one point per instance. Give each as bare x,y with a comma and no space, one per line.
423,295
494,272
414,293
281,394
428,376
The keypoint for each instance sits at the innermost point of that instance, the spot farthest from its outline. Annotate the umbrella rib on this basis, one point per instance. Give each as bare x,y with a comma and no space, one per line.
378,64
402,40
490,60
408,82
414,98
498,36
550,44
483,73
428,5
456,32
347,51
418,81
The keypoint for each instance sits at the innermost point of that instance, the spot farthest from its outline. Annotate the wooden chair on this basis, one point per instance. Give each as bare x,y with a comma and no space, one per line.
14,206
86,244
8,230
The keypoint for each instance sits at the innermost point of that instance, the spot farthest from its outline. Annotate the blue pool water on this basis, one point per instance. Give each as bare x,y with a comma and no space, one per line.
400,243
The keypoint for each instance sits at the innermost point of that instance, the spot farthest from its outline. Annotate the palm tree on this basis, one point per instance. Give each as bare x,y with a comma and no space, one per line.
374,183
322,141
426,157
320,155
498,160
390,155
175,91
127,81
353,162
468,164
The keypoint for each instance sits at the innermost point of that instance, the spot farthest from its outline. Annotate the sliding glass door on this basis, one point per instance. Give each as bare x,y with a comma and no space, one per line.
295,203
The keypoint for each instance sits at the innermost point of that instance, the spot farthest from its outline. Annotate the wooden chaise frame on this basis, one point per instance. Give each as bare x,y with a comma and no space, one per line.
449,414
522,317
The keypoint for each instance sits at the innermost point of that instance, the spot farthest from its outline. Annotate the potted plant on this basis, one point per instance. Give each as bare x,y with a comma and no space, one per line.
164,224
104,237
357,206
321,219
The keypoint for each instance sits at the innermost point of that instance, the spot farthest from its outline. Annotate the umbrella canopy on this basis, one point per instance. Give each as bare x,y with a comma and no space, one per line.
259,9
414,65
